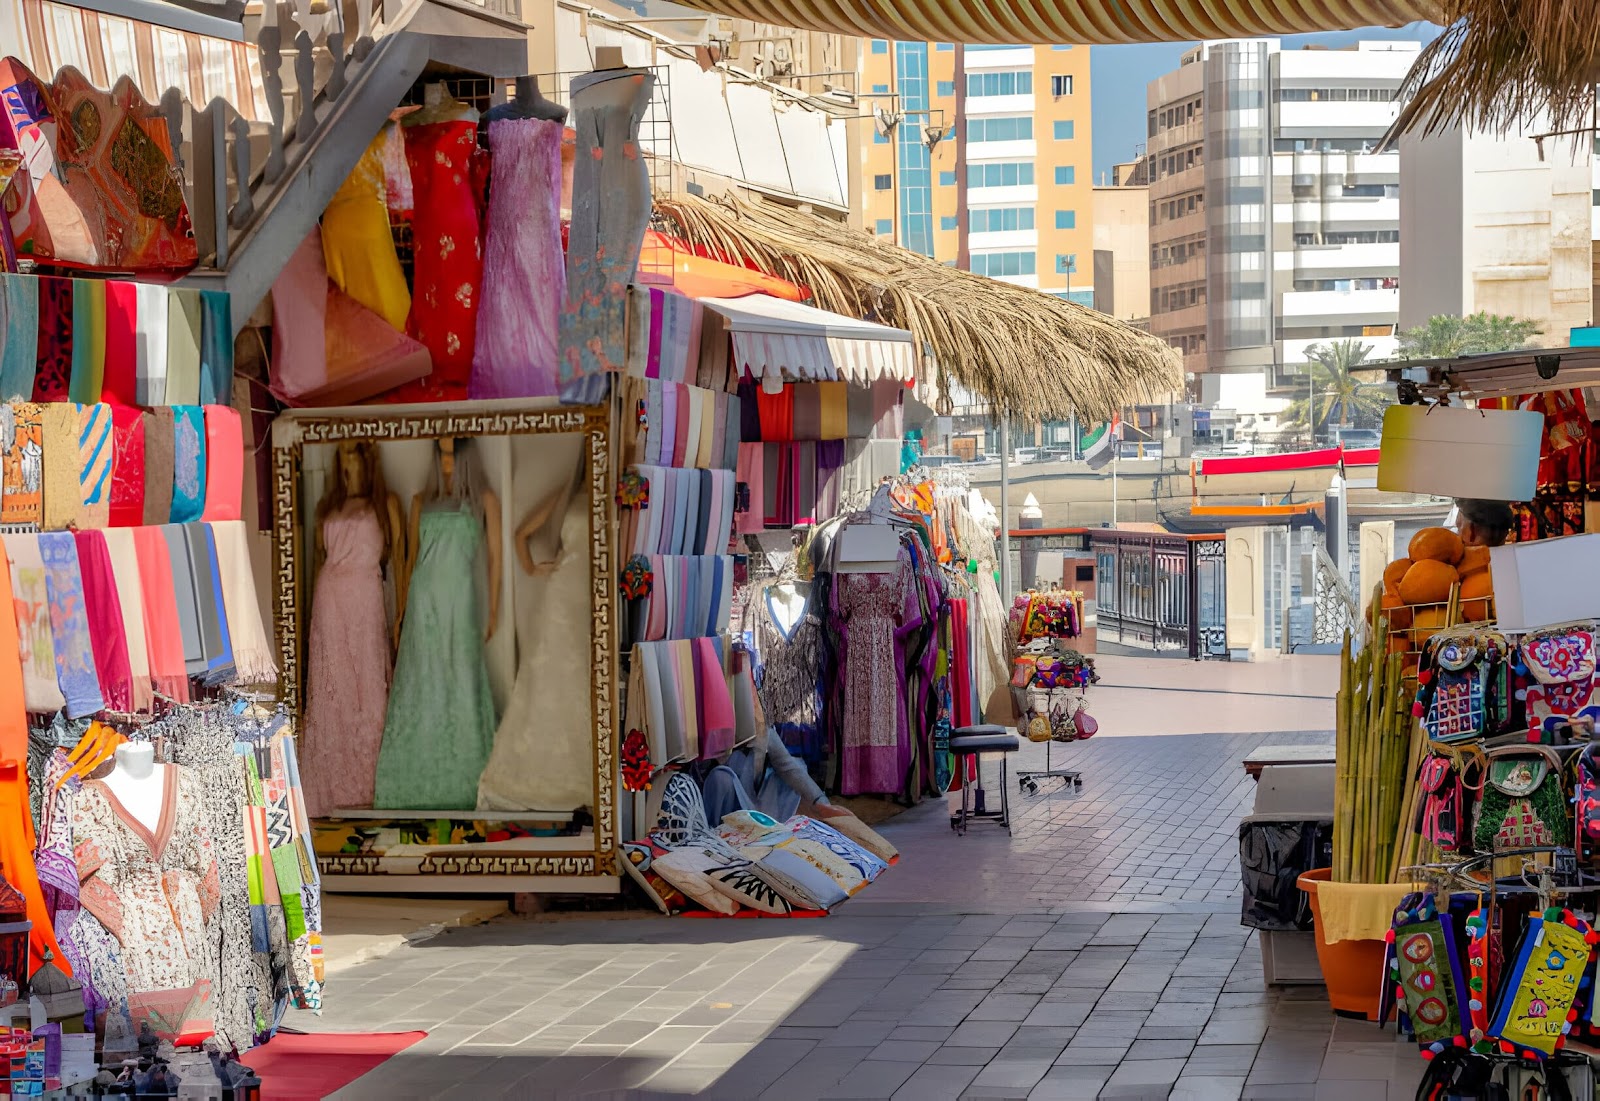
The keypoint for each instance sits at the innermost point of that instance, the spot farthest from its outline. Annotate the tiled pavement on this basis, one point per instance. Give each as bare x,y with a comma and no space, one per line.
1096,953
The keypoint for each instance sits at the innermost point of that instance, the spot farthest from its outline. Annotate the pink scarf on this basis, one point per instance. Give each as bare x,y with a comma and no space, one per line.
224,464
714,704
106,632
163,631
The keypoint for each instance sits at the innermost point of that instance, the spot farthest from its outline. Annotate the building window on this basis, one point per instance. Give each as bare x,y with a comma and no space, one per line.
879,138
880,88
882,183
1003,263
1002,128
1000,219
945,88
943,47
1063,129
947,179
1061,85
1015,83
1066,174
880,46
1066,219
1061,47
1000,174
885,227
949,222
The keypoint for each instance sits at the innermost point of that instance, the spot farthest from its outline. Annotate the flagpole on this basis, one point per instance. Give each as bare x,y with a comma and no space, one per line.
1005,495
1116,460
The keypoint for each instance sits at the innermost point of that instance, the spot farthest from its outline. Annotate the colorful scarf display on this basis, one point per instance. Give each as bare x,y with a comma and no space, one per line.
188,463
54,339
96,452
216,348
19,358
209,602
87,381
130,598
224,464
122,343
63,492
252,652
127,477
69,625
186,596
151,349
31,598
163,629
106,631
21,463
183,347
159,432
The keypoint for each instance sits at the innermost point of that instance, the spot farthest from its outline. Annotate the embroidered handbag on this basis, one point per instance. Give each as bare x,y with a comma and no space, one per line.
1540,988
1522,806
1429,986
1053,673
1464,688
1022,670
1586,800
1442,815
1560,662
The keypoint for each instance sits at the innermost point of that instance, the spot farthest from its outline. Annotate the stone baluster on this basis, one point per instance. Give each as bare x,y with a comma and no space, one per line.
269,43
335,25
244,206
305,70
363,45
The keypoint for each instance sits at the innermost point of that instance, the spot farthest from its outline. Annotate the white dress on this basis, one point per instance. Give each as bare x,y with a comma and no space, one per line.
543,756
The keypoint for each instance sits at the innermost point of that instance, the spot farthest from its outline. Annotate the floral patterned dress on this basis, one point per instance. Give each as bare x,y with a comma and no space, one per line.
447,249
155,893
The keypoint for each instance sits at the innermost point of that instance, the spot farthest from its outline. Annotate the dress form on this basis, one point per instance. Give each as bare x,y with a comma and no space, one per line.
788,605
438,105
529,103
447,488
360,480
136,783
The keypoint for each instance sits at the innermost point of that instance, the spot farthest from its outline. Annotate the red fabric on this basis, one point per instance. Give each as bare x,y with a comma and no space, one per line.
960,666
127,468
302,1068
122,354
1262,464
106,631
448,252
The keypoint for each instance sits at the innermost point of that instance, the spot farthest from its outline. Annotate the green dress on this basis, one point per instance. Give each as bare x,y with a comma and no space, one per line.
440,722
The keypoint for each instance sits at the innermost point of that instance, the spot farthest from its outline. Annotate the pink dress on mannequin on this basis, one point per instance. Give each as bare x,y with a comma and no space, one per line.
524,271
348,686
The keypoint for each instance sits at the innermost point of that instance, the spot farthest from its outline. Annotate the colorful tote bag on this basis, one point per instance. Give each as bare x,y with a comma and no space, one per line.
1429,986
1562,689
1463,687
1523,805
1537,995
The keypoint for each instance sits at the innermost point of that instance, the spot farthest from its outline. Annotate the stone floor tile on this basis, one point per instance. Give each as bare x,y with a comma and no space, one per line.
1059,1013
982,1034
1221,1060
1004,1007
1208,1088
1089,1052
905,1051
1161,1049
1008,1078
873,1078
963,1056
1143,1078
936,1083
1064,1083
937,1033
1235,1027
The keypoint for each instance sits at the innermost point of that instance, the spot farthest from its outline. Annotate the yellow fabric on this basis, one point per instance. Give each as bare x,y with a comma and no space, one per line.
1358,911
357,246
1087,22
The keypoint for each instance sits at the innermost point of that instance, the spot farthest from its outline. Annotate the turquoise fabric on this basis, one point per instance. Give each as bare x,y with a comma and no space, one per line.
19,350
440,722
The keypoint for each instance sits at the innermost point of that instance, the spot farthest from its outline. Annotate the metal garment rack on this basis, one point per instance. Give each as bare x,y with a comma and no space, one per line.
1028,779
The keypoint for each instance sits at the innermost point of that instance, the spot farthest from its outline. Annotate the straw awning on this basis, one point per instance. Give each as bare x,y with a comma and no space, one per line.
1087,22
774,340
1032,355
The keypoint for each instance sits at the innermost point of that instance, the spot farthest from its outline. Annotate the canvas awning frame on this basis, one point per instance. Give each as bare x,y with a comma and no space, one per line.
775,340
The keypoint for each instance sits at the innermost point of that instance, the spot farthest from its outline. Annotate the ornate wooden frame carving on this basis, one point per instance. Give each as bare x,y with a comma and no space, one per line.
292,431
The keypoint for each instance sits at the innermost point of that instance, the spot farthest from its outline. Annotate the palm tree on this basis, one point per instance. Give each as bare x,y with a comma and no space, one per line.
1337,395
1445,336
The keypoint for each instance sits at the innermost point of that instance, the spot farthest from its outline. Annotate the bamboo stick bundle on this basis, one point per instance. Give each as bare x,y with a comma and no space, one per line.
1341,762
1358,744
1372,776
1396,750
1407,839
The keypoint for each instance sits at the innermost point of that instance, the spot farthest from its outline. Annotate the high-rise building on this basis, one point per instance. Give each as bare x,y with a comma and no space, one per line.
982,159
1274,226
1122,244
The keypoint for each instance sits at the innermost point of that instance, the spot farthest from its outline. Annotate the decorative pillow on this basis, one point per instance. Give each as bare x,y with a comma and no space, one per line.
744,883
744,827
638,858
862,863
864,835
687,869
683,813
800,880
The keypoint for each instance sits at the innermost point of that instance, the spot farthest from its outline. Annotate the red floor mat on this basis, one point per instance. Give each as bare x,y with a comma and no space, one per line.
295,1067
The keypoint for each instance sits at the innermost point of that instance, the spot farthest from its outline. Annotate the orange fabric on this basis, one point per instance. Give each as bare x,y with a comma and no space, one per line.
13,718
697,276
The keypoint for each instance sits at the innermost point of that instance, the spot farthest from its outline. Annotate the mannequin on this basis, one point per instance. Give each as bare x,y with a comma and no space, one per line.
529,103
788,605
137,785
358,483
438,105
446,458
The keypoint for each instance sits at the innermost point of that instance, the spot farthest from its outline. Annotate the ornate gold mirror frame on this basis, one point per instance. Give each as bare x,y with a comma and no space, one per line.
292,431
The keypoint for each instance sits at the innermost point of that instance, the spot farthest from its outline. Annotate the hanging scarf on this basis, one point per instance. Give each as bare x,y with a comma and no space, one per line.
130,598
53,343
87,381
163,627
186,593
19,359
107,634
216,348
96,452
158,457
69,625
63,492
224,464
122,343
151,354
208,600
183,347
252,653
127,477
31,596
21,463
188,463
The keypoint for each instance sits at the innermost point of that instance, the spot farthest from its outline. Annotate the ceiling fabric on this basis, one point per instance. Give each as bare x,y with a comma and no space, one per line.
1086,22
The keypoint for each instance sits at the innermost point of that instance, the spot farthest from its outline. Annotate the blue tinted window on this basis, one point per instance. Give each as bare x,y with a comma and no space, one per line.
1066,219
879,46
1061,47
944,47
1000,174
949,222
1002,128
1066,173
1003,263
1000,84
885,227
882,182
879,139
947,179
911,154
1063,130
880,88
1001,219
947,88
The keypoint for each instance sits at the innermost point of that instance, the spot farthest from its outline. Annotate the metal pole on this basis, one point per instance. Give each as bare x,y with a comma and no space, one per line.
1116,460
1005,497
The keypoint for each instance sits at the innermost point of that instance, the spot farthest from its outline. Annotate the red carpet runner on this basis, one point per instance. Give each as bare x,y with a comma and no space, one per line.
294,1067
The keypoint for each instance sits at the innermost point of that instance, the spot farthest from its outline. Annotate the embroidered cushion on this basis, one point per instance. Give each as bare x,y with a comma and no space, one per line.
864,835
800,880
744,883
683,813
637,859
688,869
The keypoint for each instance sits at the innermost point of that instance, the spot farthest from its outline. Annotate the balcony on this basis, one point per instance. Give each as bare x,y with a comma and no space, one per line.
1014,238
1192,270
977,61
1190,319
1178,183
1178,136
999,105
1021,195
1023,150
1187,226
1346,261
1340,307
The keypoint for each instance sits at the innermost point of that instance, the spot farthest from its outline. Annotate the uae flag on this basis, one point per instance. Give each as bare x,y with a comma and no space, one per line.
1096,446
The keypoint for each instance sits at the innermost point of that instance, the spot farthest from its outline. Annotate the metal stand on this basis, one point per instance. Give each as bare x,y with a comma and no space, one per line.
1028,781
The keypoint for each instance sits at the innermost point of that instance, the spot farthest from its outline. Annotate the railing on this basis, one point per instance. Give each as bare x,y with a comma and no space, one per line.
1161,592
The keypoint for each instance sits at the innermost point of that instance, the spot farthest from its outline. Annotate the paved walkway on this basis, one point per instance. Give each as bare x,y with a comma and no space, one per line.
1096,952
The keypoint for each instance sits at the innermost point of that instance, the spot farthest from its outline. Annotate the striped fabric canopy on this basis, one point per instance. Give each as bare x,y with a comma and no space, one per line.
1087,22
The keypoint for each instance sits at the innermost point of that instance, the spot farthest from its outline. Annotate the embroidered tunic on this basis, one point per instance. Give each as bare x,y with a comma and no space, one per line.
788,662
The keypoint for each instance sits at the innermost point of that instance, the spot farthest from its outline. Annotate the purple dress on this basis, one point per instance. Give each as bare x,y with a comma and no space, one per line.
870,606
349,665
524,270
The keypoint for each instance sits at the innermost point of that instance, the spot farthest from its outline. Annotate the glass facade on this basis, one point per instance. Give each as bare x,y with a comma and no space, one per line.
1000,174
1009,262
1013,83
1001,219
1238,166
1001,128
911,154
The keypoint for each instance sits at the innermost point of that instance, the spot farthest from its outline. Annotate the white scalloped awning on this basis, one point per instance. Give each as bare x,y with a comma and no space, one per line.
775,339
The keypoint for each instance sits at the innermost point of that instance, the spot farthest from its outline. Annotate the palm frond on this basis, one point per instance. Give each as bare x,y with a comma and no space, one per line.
1033,355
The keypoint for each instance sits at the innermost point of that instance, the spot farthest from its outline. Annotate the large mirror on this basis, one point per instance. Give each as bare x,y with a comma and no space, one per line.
445,627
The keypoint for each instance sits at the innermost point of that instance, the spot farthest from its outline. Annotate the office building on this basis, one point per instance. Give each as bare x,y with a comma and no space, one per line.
1122,244
1273,224
982,159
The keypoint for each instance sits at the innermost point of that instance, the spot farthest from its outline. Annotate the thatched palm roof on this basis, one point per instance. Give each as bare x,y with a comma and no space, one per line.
1033,355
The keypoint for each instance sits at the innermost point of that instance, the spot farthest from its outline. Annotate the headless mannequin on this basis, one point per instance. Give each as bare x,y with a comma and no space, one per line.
529,103
138,785
788,605
446,458
438,105
357,480
537,519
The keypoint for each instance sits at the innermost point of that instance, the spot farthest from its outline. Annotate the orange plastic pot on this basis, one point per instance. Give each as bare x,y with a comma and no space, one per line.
1351,969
